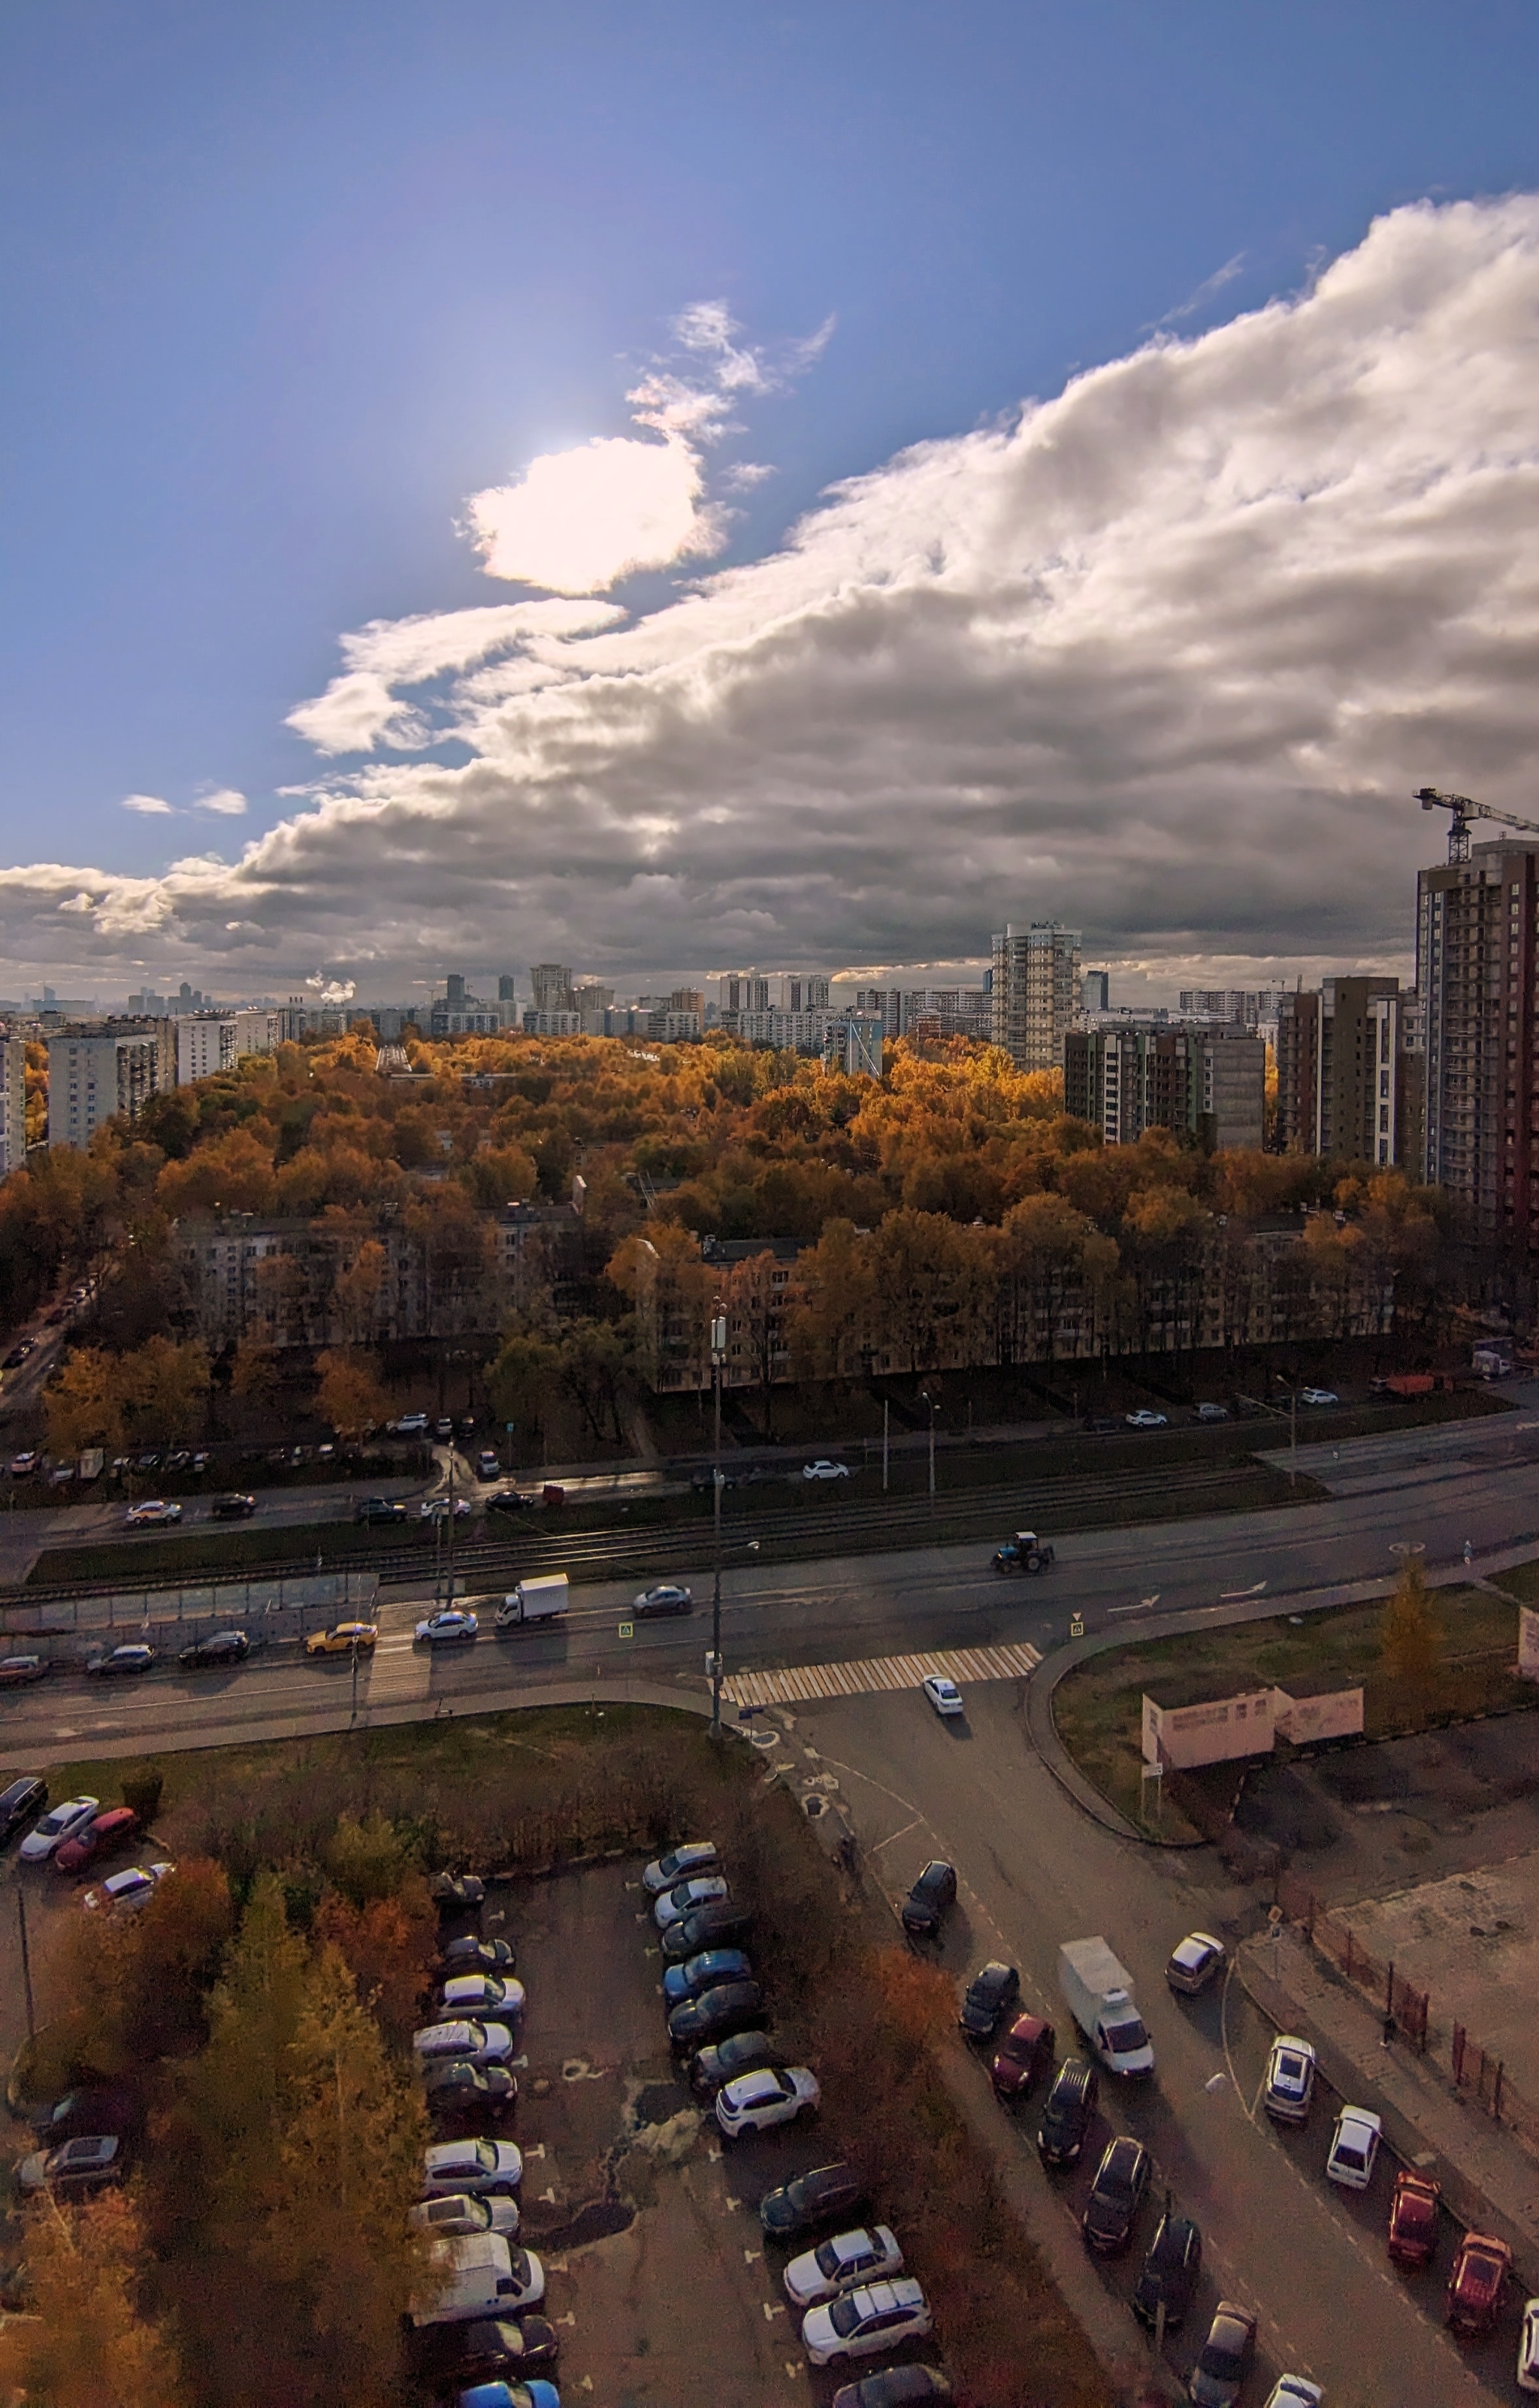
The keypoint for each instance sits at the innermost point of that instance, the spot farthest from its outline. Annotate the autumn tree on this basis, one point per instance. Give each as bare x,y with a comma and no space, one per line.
88,2341
349,1396
163,1390
521,1382
832,1315
1409,1646
83,1405
356,1295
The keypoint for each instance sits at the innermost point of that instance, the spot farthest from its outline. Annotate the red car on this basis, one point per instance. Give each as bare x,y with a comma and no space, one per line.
119,1823
1474,2287
1413,2218
1024,2052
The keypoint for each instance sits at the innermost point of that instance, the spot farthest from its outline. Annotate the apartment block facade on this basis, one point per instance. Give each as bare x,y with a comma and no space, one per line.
1478,976
1035,991
1348,1084
13,1104
1125,1076
96,1071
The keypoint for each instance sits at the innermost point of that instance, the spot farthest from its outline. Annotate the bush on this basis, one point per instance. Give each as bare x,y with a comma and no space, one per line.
142,1791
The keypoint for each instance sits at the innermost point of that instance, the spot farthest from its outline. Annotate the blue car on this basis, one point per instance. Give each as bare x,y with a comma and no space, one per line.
702,1973
533,2394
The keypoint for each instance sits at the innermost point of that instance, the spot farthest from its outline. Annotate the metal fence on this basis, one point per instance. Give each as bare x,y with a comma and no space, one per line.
271,1608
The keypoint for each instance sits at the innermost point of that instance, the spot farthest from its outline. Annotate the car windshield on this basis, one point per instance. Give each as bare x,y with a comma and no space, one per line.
845,2315
1348,2154
1289,2072
487,2155
1123,2038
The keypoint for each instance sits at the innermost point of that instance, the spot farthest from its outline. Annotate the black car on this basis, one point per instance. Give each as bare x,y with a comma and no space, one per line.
1067,2111
509,1500
449,2356
722,1924
451,1893
731,2007
723,2060
236,1507
17,1354
812,2202
219,1647
927,1902
1170,2272
463,2099
469,1954
1116,2195
991,1995
896,2386
19,1802
374,1509
110,2107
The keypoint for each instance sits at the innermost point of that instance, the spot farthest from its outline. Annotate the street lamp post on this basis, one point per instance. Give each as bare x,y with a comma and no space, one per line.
926,1399
718,1359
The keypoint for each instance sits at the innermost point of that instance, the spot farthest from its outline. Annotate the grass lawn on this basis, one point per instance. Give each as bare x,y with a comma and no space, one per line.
1097,1707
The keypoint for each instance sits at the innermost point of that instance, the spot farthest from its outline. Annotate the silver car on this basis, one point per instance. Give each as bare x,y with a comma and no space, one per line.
490,2169
460,2212
60,1823
681,1864
467,2044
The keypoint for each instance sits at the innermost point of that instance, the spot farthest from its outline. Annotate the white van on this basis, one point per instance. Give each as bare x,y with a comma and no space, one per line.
479,2274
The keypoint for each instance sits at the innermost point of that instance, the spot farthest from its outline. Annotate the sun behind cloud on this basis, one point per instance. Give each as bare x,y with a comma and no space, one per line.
577,522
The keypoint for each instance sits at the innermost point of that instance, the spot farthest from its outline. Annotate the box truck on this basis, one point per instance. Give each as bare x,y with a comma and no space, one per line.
533,1600
1099,1993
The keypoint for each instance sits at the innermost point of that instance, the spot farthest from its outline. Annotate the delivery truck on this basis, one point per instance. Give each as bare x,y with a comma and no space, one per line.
1099,1993
533,1600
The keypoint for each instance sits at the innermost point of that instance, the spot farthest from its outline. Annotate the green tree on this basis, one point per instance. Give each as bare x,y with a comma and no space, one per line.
520,1380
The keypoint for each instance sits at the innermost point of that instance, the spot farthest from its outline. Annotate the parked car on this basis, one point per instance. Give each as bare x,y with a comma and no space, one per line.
676,1904
342,1638
467,2097
489,2169
1195,1963
96,1838
1169,2274
220,1647
928,1902
436,1509
235,1506
133,1657
732,2006
896,2386
453,1893
60,1823
724,2060
1290,2085
943,1695
487,2347
1146,1419
870,2254
703,1973
1213,1412
75,2168
1354,2148
96,2107
681,1864
1219,2374
534,2393
154,1514
379,1510
469,1954
411,1426
666,1597
1319,1396
1067,2111
874,2316
24,1798
487,1465
454,1623
824,1469
990,1995
1116,2195
1528,2347
1475,2286
1413,2218
812,2201
125,1893
479,1995
460,2212
1023,2053
475,2043
1295,2391
511,1501
21,1672
444,1428
721,1924
756,2103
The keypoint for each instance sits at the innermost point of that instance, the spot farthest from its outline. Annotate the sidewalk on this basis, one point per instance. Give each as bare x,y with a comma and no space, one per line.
1488,2178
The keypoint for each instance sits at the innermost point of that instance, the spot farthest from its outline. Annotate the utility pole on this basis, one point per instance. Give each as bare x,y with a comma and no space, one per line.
926,1399
887,1408
26,1958
718,1360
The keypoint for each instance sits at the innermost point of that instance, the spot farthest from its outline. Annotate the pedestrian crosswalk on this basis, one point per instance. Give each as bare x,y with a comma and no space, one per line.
804,1682
399,1673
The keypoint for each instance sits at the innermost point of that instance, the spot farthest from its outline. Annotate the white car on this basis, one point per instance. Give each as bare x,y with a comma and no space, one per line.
1145,1419
676,1904
870,2254
61,1822
436,1509
473,1995
412,1425
440,1629
489,2169
468,2043
878,2315
460,2212
1528,2349
154,1512
824,1469
1296,2391
1195,1963
943,1695
125,1893
772,2095
679,1865
1354,2148
1319,1396
1290,2079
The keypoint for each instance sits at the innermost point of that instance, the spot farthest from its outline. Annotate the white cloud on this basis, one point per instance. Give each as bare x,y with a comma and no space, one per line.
223,801
150,805
1162,657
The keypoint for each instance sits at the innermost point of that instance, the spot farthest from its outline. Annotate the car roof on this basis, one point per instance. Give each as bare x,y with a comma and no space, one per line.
1360,2119
748,2088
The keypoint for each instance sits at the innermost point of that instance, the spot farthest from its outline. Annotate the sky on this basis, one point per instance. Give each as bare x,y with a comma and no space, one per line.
665,489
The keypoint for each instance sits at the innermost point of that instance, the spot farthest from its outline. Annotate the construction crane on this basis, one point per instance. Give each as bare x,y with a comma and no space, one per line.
1464,810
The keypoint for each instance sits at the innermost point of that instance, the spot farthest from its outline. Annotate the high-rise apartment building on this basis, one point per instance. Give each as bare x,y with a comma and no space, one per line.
1095,992
855,1045
1229,1003
1344,1086
551,983
1125,1076
13,1104
115,1067
1478,957
1036,992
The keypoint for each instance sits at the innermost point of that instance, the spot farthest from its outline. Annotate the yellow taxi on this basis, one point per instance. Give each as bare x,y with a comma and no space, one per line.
341,1639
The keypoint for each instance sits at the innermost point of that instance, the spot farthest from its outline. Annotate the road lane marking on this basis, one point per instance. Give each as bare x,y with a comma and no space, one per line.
871,1674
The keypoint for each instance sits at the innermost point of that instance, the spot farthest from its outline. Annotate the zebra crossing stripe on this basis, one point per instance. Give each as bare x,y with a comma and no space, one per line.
798,1684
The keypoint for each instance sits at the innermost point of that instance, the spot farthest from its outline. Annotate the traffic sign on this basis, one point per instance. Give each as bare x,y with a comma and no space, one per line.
627,1630
1076,1627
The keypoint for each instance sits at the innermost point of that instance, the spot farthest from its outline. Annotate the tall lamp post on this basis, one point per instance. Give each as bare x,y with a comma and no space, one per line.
926,1399
718,1359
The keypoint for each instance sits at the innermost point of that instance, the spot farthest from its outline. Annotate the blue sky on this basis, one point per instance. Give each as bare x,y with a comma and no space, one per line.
282,288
